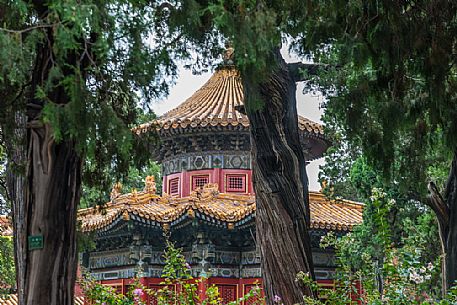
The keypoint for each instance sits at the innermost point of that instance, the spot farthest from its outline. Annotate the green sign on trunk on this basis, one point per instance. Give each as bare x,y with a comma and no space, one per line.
35,242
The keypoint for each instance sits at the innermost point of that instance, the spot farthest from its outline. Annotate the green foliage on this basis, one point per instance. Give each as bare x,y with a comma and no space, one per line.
391,83
390,271
4,203
106,295
255,29
340,163
134,179
178,271
88,68
406,214
342,295
7,269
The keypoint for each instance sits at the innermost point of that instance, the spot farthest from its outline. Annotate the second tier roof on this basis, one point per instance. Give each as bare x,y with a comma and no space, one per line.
215,104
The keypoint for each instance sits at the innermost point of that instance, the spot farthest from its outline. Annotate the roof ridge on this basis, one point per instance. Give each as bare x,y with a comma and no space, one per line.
225,207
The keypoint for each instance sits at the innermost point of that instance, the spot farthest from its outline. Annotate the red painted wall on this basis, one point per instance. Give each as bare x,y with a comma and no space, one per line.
216,175
230,289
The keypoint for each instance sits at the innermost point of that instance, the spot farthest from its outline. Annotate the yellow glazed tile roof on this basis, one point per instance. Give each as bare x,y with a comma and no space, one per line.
340,215
12,300
5,226
215,104
228,208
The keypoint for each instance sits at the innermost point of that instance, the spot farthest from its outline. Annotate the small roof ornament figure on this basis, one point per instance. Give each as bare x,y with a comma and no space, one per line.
116,190
150,185
228,55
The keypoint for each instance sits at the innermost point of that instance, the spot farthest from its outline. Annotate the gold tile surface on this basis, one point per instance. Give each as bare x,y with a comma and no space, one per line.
215,104
339,215
13,300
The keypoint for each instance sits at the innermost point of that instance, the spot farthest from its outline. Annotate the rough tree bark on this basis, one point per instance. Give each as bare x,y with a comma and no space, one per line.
45,197
52,195
445,208
280,183
17,160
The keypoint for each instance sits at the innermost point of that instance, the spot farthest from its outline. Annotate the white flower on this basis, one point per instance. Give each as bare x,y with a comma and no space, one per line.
415,277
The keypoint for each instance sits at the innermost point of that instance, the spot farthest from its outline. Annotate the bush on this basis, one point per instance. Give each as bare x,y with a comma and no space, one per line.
7,270
390,272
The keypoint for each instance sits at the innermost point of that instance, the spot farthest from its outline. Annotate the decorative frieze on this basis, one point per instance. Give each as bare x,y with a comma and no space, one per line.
251,272
250,258
105,260
228,160
109,260
204,258
227,257
154,272
225,272
324,273
114,274
324,259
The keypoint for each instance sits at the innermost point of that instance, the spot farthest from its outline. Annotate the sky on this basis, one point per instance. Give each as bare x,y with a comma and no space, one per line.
307,106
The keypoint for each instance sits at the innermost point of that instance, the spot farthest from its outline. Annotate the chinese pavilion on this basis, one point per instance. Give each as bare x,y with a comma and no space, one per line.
207,206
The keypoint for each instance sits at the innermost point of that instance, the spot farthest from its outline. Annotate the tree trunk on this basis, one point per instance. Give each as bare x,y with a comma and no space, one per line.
445,209
52,195
450,254
280,183
46,195
44,203
17,160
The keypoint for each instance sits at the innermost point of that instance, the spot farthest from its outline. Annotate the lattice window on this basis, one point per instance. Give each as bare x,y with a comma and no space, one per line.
116,288
199,181
253,300
324,288
227,293
236,183
127,288
151,297
173,186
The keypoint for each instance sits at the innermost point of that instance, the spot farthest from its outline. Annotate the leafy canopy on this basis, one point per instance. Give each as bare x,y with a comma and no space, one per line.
392,90
88,68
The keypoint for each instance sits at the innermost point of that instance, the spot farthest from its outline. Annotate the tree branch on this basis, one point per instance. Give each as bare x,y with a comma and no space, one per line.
297,70
38,26
450,192
438,205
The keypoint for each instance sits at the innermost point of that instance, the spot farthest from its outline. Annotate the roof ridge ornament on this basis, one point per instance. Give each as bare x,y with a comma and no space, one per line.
228,55
210,189
134,195
150,185
116,191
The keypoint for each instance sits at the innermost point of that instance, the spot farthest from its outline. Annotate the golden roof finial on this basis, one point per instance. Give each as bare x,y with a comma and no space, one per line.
116,190
228,54
324,184
150,185
134,195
